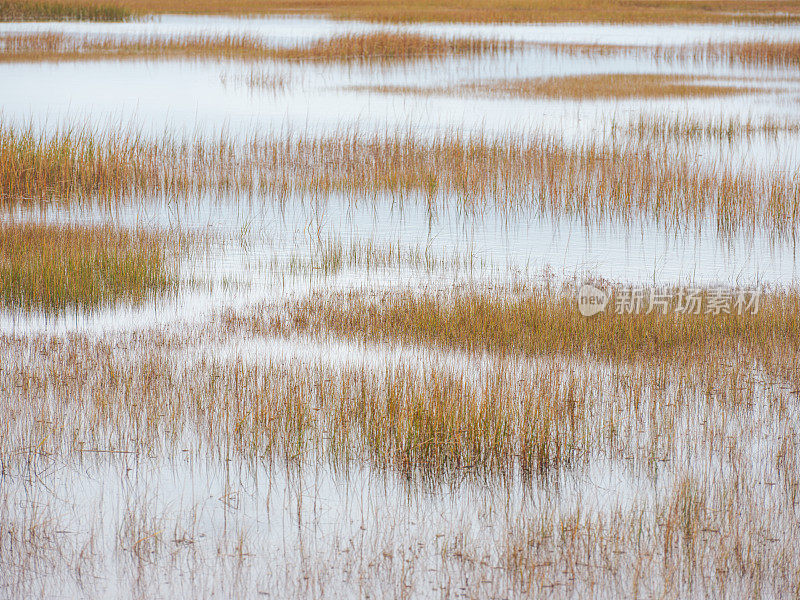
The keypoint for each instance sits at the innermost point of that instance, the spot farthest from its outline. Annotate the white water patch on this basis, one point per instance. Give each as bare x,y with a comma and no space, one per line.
292,28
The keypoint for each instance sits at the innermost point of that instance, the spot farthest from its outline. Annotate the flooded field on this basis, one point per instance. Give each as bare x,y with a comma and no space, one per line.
295,306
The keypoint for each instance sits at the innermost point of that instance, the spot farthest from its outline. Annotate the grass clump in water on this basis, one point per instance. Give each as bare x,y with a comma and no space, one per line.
582,87
545,321
56,267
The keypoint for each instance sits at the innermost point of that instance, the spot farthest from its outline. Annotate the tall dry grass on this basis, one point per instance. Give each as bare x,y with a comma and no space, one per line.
388,46
491,413
759,53
428,422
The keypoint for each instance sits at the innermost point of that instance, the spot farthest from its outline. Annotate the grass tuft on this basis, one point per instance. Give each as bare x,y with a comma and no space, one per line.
56,267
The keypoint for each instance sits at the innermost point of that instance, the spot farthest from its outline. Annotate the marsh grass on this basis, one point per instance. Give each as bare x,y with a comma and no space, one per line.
689,536
702,454
382,47
13,10
754,53
546,322
428,422
547,11
621,179
588,87
617,86
259,80
330,255
387,47
56,267
760,53
720,129
489,417
645,456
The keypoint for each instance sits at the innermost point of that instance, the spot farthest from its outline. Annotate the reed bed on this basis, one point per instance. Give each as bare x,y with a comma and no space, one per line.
415,442
56,267
620,180
12,10
330,255
374,47
388,47
593,86
546,322
544,11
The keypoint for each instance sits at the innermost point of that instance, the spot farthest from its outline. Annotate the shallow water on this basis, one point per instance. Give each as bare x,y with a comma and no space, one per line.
188,518
202,96
291,28
269,249
194,94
